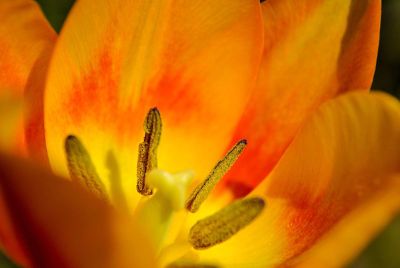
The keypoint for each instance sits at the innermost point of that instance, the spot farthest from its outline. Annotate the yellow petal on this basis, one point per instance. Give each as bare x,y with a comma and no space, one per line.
195,60
25,37
314,50
340,170
59,224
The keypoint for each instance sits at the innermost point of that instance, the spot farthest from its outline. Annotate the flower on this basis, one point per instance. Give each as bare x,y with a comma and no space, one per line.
320,173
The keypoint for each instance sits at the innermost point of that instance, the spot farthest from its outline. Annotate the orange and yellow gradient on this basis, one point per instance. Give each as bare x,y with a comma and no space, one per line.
290,77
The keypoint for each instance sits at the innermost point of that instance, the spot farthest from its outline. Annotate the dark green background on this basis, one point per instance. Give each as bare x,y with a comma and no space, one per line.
384,251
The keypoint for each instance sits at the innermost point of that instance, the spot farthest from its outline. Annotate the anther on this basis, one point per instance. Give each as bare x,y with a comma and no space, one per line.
202,191
81,167
225,223
147,159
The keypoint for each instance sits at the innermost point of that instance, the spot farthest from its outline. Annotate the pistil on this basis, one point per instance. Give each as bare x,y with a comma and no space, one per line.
156,211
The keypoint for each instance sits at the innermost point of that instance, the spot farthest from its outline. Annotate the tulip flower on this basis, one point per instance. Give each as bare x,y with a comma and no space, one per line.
195,134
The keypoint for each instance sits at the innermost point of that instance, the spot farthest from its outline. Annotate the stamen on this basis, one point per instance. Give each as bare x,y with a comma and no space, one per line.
203,190
81,167
225,223
148,150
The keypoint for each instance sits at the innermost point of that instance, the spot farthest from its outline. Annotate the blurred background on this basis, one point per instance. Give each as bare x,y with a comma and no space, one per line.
384,251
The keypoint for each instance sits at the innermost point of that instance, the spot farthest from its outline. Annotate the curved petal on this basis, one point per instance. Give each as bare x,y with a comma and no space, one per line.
313,51
25,36
34,108
59,224
342,164
194,60
383,207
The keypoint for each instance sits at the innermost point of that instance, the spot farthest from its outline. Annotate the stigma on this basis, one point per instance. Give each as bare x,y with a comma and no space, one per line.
172,187
156,212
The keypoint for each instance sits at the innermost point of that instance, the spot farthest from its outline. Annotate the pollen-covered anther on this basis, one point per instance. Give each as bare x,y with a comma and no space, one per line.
81,167
147,159
202,191
222,225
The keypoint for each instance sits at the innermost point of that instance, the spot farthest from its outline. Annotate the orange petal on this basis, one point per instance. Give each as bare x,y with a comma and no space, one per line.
11,112
195,60
34,109
61,225
383,207
25,37
340,170
10,243
313,51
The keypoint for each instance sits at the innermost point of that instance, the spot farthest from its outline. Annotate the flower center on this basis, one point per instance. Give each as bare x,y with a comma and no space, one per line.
165,195
168,198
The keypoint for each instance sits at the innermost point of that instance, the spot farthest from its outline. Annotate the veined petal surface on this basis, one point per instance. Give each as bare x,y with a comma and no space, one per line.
61,225
196,61
313,51
25,37
340,175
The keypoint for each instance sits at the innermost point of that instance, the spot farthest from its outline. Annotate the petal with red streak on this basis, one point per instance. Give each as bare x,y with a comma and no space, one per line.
341,169
355,231
314,50
196,61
